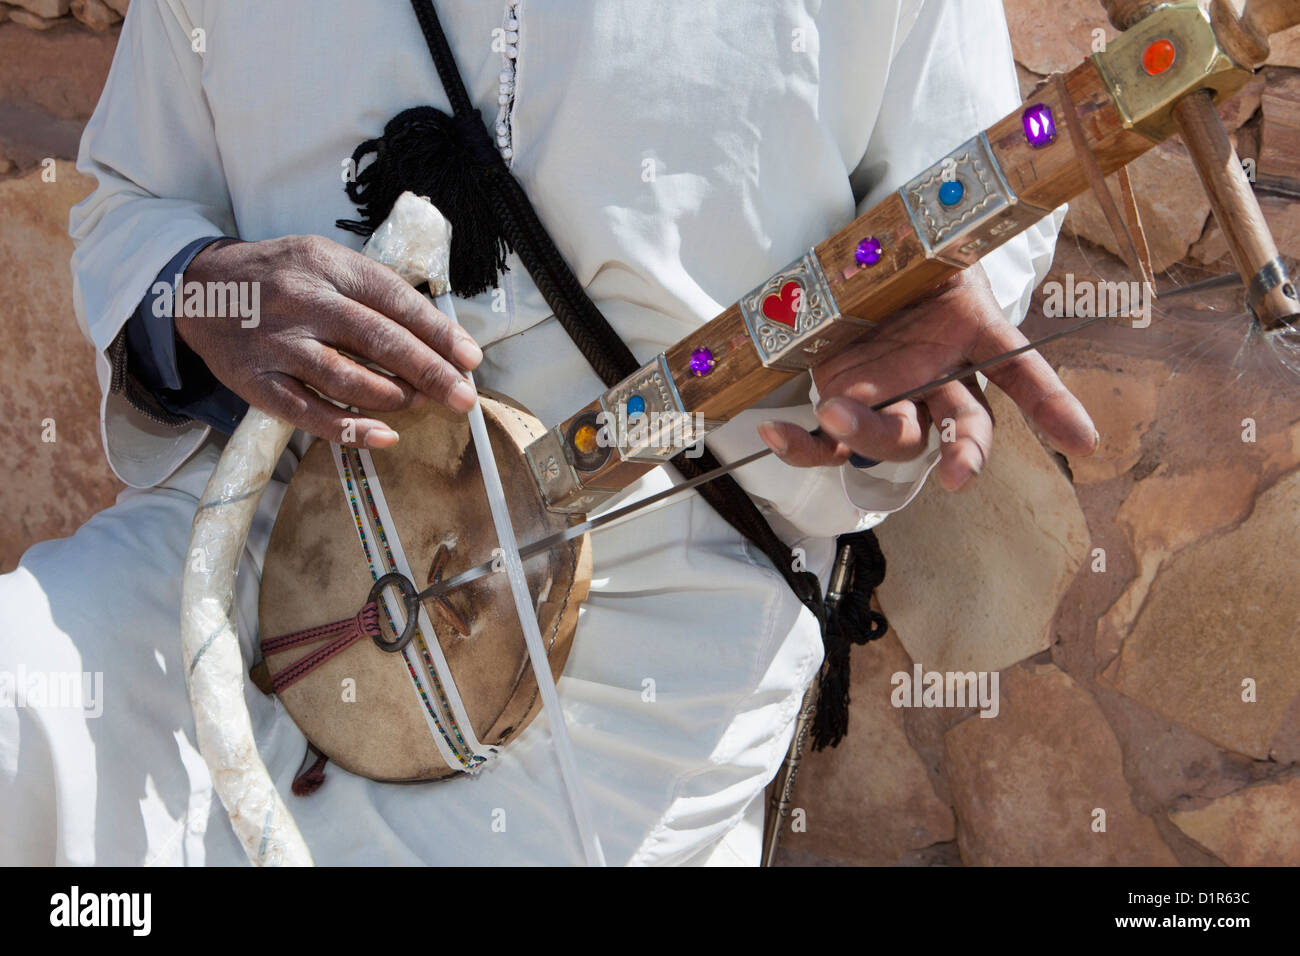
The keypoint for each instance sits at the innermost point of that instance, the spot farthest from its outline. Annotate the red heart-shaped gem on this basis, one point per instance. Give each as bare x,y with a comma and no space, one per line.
784,308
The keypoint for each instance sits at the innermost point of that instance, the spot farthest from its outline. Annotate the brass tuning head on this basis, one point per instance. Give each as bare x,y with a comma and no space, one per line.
1165,72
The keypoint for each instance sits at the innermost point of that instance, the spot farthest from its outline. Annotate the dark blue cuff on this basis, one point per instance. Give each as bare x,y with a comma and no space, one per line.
166,366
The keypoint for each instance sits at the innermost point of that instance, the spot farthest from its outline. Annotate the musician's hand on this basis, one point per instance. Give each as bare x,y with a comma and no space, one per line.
960,325
316,300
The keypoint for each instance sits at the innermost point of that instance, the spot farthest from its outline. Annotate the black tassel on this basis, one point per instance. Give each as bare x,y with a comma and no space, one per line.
859,569
447,159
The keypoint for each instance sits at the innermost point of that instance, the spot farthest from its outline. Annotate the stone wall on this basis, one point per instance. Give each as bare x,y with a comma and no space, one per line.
1263,120
1121,600
54,57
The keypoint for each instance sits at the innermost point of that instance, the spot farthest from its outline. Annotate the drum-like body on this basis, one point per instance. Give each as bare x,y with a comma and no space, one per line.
360,707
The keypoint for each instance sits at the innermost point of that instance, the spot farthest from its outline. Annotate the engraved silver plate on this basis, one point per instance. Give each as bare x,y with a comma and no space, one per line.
792,318
663,428
987,214
559,483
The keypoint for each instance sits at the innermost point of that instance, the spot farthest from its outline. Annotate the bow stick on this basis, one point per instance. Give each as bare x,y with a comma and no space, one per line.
620,515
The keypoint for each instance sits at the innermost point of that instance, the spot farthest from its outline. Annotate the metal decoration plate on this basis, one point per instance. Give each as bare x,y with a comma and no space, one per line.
985,216
663,429
793,319
556,478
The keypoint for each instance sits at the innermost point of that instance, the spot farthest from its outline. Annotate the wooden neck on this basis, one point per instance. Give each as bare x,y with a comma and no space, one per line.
992,187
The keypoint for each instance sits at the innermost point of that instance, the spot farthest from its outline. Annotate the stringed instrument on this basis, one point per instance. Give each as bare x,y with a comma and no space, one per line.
446,674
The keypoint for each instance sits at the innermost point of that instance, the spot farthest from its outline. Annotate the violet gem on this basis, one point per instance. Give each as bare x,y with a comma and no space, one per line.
1040,125
702,362
869,251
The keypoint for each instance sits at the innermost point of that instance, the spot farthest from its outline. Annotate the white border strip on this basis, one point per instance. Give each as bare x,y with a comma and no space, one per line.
431,636
444,750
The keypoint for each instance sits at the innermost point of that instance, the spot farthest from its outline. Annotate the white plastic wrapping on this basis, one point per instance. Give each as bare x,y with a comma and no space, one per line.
214,666
415,241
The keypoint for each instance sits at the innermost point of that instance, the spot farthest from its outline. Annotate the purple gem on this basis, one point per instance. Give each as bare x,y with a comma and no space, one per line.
869,251
701,362
1040,125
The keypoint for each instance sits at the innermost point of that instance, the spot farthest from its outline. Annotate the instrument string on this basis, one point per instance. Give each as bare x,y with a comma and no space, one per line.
579,804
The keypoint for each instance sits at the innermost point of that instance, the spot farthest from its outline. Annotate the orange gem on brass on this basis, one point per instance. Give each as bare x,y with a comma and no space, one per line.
1159,56
584,439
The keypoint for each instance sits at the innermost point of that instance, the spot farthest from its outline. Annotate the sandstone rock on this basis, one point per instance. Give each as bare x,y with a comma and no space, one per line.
60,72
44,8
1236,110
1027,783
1051,36
1286,744
95,14
1283,217
1168,765
1170,199
1115,623
1215,616
1168,511
786,857
30,20
869,801
1162,514
28,136
118,5
974,577
1122,405
1284,48
47,372
1029,81
4,15
1257,826
1279,146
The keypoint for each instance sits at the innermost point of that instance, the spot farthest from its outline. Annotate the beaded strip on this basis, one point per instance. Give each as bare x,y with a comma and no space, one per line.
458,748
506,85
391,565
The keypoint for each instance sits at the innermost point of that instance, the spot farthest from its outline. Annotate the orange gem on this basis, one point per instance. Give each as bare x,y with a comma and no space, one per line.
584,439
1159,56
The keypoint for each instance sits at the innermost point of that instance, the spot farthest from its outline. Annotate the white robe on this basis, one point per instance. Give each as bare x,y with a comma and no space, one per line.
680,153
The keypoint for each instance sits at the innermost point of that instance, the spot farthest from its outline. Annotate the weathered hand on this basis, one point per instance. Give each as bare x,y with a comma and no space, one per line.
960,325
316,300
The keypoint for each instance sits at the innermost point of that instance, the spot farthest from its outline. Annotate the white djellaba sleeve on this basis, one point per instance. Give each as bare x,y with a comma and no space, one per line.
150,144
952,75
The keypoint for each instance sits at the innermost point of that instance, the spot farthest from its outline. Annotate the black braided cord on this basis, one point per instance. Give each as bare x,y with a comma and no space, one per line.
591,332
452,159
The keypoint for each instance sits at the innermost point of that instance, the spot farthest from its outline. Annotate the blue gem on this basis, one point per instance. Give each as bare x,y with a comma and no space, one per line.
635,406
950,193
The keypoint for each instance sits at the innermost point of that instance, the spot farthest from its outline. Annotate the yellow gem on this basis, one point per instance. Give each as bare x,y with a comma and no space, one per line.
584,439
